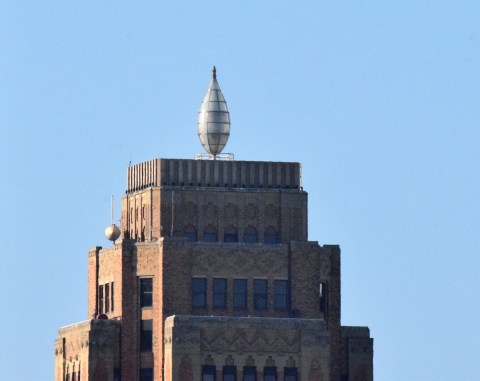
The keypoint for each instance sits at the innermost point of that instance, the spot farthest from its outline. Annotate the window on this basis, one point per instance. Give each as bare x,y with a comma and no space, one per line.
229,373
219,293
107,300
116,375
78,373
146,374
208,373
271,235
100,299
74,376
111,291
322,293
146,335
190,233
260,294
249,373
291,374
210,234
250,235
270,373
199,292
240,294
281,294
146,291
67,377
230,234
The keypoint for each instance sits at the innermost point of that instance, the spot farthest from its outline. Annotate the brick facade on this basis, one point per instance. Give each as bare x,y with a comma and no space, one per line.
186,221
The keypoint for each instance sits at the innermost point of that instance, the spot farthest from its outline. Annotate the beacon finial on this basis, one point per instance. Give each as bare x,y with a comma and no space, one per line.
213,124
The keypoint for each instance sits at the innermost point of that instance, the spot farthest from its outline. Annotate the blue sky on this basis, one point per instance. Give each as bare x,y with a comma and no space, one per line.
378,100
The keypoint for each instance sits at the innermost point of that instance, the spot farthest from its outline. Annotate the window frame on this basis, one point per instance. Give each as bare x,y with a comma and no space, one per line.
258,296
146,335
107,298
243,295
219,295
290,372
195,292
146,374
272,370
209,370
280,296
229,370
100,299
146,292
249,371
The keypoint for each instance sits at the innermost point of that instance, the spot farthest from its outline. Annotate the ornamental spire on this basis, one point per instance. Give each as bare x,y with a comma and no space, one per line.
213,124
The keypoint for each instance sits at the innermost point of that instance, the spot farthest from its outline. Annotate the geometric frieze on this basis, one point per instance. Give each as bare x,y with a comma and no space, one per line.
228,339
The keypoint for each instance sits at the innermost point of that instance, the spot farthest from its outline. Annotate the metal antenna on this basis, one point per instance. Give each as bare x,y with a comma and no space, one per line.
112,209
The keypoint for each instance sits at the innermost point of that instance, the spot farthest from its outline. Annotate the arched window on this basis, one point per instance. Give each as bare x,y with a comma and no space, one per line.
271,235
190,233
230,234
250,235
210,234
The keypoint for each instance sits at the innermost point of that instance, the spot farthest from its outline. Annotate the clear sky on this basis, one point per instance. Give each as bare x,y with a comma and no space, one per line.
378,99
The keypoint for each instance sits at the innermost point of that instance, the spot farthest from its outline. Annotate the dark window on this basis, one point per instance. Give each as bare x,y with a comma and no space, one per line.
240,294
146,335
199,292
67,377
74,376
229,373
250,235
116,375
260,294
100,299
146,292
79,378
113,295
208,373
270,373
281,294
210,237
249,373
146,374
271,235
322,294
107,298
219,293
230,234
230,237
291,374
190,233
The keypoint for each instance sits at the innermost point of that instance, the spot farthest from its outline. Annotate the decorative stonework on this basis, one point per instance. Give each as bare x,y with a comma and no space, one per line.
251,212
185,371
315,372
249,361
210,210
290,363
191,210
230,211
229,361
250,340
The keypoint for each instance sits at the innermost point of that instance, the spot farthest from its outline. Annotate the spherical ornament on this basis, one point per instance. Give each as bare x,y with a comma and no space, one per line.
112,232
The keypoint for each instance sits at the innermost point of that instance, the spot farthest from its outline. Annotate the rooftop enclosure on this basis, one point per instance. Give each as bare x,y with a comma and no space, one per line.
213,173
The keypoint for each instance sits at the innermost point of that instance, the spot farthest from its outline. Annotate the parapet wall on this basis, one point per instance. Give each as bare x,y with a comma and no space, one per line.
213,173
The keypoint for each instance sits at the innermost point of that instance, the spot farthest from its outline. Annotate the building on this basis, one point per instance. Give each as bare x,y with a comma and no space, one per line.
212,277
